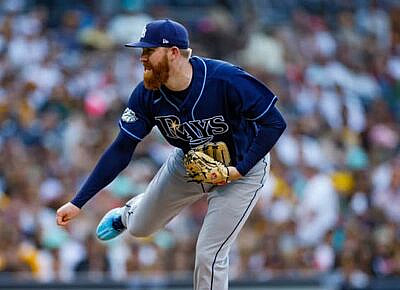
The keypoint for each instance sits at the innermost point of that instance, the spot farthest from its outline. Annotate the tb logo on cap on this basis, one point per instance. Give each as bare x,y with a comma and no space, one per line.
143,32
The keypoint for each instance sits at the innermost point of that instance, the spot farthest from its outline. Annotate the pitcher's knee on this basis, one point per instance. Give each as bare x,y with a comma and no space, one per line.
204,261
139,231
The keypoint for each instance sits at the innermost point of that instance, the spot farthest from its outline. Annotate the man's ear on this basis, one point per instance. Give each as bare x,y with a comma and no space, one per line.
174,53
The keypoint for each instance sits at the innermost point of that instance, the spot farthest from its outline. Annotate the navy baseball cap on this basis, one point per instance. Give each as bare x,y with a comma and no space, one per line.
166,33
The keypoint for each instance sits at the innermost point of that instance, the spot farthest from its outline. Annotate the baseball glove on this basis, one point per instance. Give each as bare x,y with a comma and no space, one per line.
202,168
218,151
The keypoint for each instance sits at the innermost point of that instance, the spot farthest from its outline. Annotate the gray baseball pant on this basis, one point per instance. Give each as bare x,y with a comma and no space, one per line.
229,206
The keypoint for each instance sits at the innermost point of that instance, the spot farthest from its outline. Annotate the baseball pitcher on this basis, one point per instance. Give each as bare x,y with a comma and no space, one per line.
223,123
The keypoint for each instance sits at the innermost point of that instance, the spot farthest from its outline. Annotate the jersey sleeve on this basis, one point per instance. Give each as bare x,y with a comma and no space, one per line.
135,120
249,96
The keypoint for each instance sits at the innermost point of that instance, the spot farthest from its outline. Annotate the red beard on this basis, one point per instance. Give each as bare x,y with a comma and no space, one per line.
158,75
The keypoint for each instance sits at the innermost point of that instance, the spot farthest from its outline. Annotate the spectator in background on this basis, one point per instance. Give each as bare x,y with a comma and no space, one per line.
388,197
317,211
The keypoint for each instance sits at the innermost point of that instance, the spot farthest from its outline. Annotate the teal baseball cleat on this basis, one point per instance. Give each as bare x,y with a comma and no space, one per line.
111,225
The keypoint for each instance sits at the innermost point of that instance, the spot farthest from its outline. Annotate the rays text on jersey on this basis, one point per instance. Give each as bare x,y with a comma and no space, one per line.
196,132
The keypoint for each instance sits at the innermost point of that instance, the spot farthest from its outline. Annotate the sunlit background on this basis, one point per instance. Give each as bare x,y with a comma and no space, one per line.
329,217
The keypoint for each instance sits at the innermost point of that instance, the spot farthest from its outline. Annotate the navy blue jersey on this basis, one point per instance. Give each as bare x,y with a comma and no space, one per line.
224,103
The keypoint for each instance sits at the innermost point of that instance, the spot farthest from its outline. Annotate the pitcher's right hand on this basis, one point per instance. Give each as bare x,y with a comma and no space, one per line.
66,213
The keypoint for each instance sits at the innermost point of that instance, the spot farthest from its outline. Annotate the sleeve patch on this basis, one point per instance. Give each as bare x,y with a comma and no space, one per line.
128,116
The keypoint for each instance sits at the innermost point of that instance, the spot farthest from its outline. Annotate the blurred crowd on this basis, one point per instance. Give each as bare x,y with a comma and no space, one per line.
332,203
